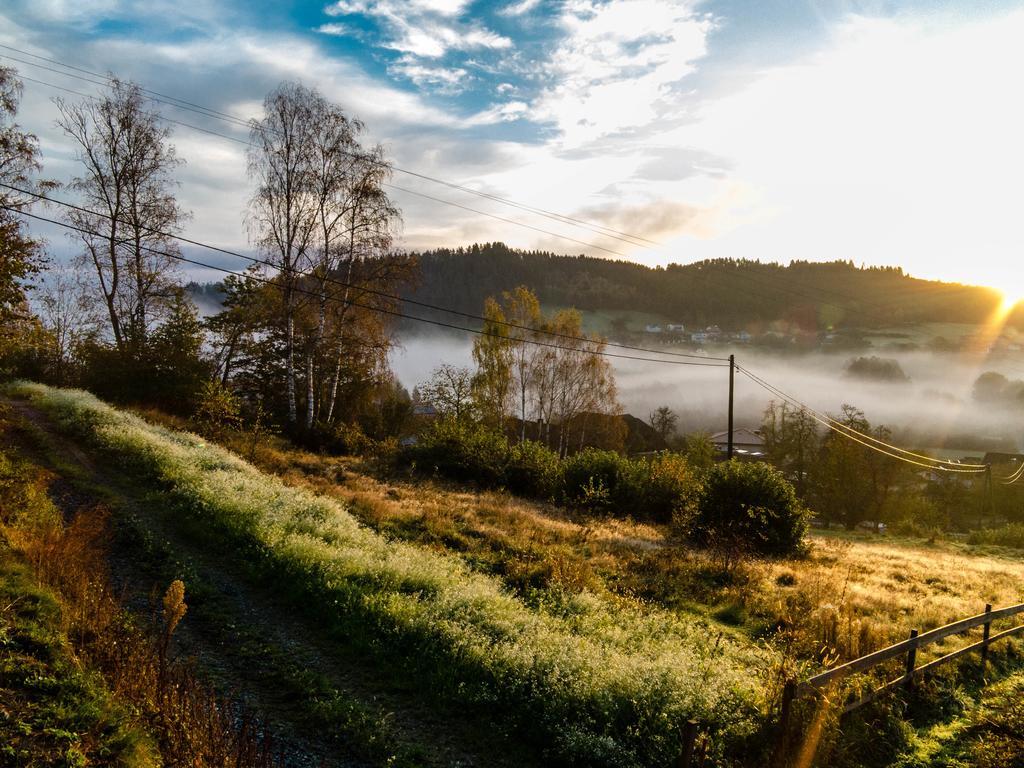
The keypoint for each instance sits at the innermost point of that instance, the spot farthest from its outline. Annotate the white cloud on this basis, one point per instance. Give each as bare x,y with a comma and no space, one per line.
899,144
500,113
520,8
618,66
423,28
446,80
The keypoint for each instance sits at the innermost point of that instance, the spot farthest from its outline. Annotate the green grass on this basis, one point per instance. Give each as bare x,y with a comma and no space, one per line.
54,712
597,681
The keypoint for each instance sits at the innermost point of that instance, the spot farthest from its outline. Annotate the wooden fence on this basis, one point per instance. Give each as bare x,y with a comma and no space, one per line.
908,648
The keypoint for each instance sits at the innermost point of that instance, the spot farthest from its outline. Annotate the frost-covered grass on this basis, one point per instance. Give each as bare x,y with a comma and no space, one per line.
598,681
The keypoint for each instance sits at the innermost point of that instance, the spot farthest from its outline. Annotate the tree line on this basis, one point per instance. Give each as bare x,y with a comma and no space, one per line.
734,294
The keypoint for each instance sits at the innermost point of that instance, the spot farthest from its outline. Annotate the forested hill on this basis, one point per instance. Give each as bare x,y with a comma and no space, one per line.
732,294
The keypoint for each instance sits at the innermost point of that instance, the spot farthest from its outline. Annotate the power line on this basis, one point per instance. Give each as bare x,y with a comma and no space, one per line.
723,269
1013,478
382,310
173,101
868,440
628,238
246,142
364,289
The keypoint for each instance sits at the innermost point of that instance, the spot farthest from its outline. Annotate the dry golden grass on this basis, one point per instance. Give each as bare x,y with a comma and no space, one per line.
862,593
850,595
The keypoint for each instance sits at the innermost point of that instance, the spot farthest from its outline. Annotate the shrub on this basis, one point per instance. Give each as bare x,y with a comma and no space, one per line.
670,486
217,410
747,509
592,474
1009,535
533,470
462,450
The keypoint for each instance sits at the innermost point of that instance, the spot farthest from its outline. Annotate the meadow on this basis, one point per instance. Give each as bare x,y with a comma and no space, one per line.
600,681
597,636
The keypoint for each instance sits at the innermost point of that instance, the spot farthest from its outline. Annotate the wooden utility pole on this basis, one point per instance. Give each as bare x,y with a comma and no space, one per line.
732,375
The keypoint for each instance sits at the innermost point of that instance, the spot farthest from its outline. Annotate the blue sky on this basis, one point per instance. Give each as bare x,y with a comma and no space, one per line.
880,132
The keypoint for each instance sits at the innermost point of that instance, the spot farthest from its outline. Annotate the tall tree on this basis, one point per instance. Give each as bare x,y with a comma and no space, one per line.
493,353
20,255
127,188
322,218
282,210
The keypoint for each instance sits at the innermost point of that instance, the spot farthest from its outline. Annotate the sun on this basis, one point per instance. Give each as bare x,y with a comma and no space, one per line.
1011,297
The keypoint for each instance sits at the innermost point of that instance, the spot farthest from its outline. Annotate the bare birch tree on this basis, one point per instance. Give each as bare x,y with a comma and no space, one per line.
127,185
282,210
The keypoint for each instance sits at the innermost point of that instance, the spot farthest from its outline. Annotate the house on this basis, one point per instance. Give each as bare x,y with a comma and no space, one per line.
651,328
700,337
746,443
675,328
743,337
424,409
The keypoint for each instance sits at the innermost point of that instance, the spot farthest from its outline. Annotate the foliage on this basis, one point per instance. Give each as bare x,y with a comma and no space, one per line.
700,293
522,374
320,214
876,368
1009,535
450,391
217,410
534,470
745,509
462,450
602,682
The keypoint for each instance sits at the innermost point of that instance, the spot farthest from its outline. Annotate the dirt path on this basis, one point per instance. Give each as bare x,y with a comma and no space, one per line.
253,644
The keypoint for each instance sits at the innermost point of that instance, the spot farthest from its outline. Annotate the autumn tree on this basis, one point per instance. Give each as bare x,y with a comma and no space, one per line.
791,441
21,255
544,370
129,215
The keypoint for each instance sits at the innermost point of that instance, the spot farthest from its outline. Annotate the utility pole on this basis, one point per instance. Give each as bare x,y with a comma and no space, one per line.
732,374
988,493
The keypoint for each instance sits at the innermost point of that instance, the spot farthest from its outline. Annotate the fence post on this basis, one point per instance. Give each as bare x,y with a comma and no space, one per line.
689,740
984,639
785,711
911,661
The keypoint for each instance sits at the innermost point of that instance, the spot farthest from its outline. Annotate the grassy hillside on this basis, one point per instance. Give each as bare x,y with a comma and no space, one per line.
601,682
592,637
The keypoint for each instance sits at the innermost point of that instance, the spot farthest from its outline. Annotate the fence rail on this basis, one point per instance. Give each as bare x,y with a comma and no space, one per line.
907,648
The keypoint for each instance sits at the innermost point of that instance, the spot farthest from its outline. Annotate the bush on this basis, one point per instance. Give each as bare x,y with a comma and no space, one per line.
747,509
462,450
670,486
595,478
1009,535
533,470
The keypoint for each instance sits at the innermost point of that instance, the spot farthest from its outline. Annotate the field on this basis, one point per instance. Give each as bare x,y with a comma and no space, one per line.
584,640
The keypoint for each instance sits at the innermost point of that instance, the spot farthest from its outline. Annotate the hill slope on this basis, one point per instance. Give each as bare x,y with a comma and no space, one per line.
732,294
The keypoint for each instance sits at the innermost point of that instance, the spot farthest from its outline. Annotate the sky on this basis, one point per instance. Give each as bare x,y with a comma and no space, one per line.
878,132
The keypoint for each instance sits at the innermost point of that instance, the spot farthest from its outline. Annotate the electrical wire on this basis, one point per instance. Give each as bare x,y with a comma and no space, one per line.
174,101
1013,478
865,439
631,239
352,302
722,269
364,289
